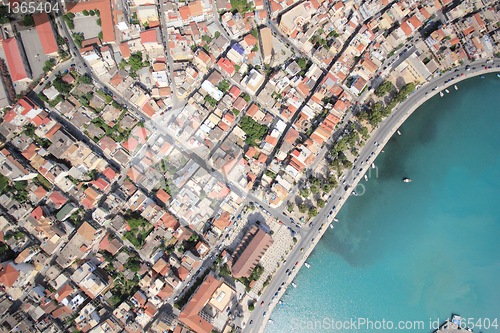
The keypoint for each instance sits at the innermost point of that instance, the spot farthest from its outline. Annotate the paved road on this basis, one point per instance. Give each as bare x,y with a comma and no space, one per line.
164,32
373,146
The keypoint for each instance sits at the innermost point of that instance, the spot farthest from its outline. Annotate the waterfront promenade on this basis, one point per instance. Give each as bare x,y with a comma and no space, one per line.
380,135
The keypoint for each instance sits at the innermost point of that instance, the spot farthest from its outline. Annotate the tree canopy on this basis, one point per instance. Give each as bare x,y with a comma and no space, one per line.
61,86
254,131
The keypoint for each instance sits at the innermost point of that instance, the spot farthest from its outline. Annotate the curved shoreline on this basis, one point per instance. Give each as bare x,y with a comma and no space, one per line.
387,127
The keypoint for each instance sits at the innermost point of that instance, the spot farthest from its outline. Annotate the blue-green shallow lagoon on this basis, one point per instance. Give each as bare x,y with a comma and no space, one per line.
415,251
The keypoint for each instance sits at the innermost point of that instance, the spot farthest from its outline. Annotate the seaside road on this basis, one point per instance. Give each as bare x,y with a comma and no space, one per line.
386,129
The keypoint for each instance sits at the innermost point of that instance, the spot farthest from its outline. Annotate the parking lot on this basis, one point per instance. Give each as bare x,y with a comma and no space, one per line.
87,25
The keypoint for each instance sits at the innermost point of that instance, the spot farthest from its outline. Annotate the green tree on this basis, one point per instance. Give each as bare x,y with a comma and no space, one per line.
314,189
302,62
304,193
224,85
217,34
60,41
135,61
254,131
321,203
78,38
4,14
210,100
290,207
100,35
246,97
251,306
255,33
384,88
312,212
85,79
207,39
302,208
28,21
29,130
85,12
61,86
98,22
109,99
62,53
91,12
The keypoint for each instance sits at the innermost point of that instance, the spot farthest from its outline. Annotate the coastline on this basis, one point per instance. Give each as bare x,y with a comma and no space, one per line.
387,128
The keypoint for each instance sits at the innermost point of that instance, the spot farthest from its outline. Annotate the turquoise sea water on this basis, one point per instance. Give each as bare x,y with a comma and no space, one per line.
415,251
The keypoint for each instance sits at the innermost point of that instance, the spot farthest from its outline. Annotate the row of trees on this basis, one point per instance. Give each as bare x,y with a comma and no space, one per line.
375,115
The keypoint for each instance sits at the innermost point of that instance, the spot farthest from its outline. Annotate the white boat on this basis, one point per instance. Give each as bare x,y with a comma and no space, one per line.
441,94
307,265
399,133
373,165
366,177
331,226
447,91
456,88
294,285
335,219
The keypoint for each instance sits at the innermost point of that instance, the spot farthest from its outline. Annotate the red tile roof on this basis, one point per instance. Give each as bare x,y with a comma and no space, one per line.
125,50
142,133
148,36
8,275
109,173
40,192
227,65
189,315
130,144
37,213
163,196
13,56
148,110
46,33
57,199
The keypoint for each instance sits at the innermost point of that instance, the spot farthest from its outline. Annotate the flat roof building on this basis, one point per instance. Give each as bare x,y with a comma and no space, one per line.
267,44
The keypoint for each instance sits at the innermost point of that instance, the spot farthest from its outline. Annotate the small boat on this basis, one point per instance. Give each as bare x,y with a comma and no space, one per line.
373,165
331,226
456,88
447,91
271,321
407,180
366,177
335,219
294,285
498,75
354,193
281,302
441,94
399,133
307,265
482,77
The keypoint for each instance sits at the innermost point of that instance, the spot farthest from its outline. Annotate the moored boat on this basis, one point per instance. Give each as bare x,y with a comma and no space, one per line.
307,265
399,133
407,180
441,94
373,165
331,225
447,91
456,88
294,285
366,177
